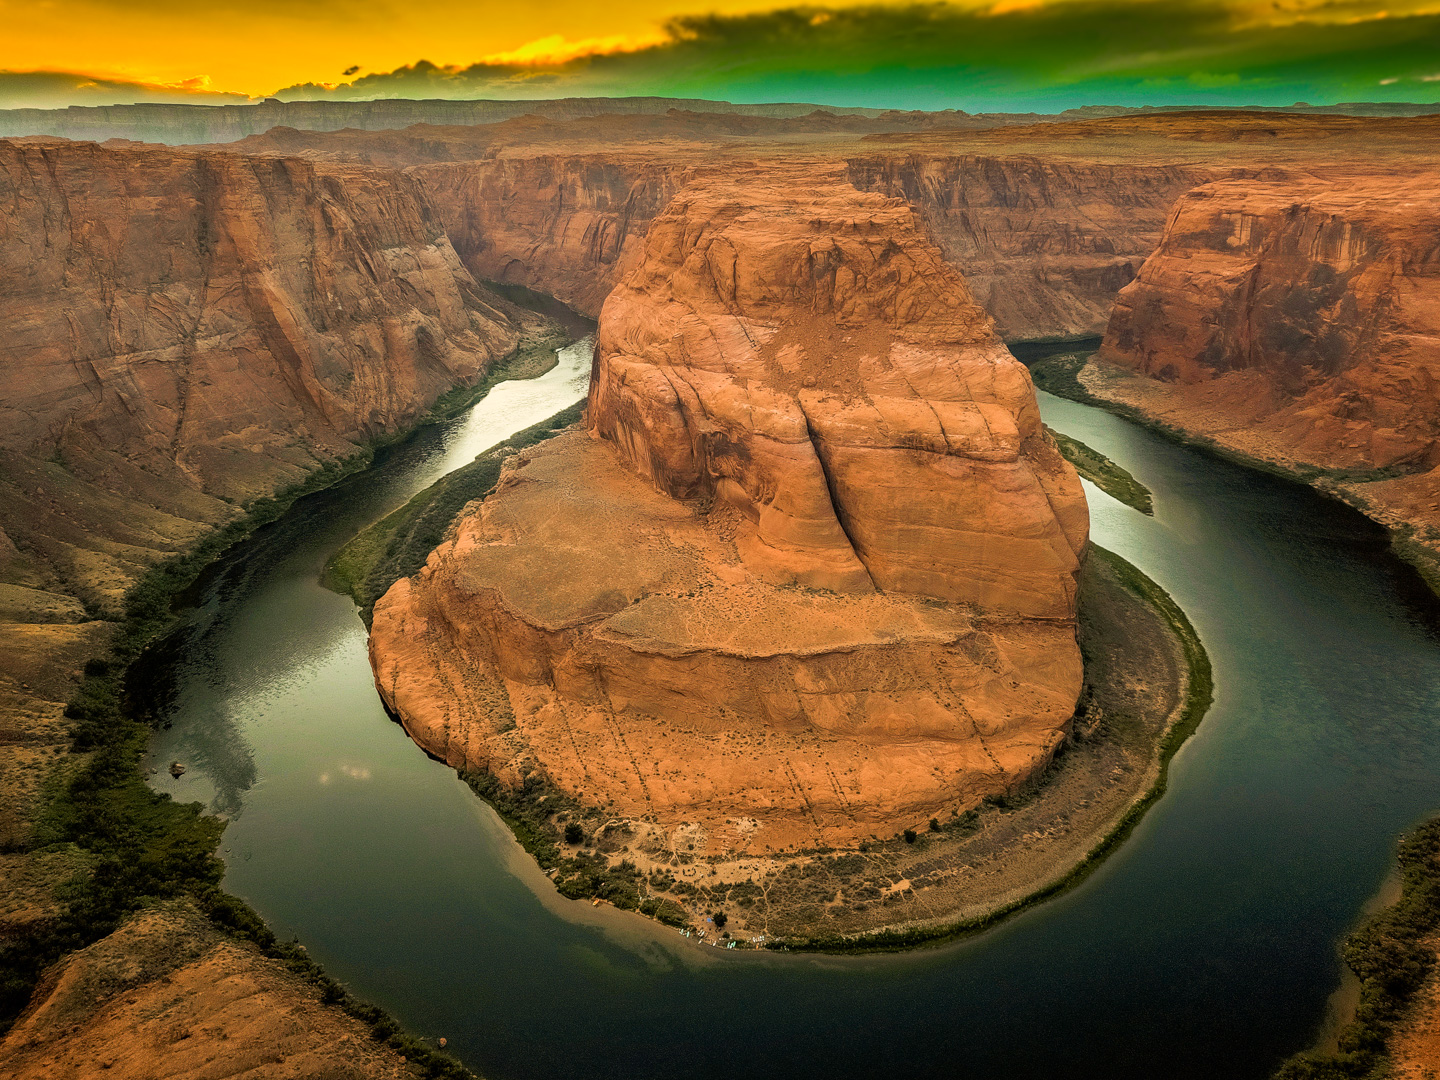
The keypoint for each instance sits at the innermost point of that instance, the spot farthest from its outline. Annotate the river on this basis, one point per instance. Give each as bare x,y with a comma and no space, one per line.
1205,947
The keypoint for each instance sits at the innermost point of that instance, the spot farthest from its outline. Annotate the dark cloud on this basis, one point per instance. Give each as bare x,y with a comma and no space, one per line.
936,55
59,89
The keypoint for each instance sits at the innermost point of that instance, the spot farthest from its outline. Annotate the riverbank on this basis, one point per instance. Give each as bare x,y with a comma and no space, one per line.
1148,685
100,848
397,545
1396,956
1391,1025
1396,500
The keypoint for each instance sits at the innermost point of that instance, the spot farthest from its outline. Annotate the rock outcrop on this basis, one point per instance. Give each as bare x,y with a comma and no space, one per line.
187,331
809,577
167,995
1297,320
1310,307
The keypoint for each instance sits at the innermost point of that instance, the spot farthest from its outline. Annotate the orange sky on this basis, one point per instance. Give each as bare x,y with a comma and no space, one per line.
1320,48
259,46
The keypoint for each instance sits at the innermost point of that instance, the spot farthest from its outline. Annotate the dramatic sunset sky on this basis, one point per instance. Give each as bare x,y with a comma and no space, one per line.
1006,55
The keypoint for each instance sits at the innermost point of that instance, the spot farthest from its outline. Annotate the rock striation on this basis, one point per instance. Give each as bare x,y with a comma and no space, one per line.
809,575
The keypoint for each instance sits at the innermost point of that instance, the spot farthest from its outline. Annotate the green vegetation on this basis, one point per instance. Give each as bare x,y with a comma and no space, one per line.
1104,473
1391,957
1199,693
534,811
398,544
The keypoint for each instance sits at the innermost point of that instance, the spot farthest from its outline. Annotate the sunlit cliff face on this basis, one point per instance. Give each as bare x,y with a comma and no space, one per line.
1005,55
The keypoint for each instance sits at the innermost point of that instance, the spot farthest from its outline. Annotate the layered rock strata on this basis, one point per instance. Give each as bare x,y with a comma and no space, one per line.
186,332
1297,320
1047,221
810,575
1045,245
565,225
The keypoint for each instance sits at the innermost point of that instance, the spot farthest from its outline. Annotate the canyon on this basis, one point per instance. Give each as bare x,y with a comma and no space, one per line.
187,334
190,330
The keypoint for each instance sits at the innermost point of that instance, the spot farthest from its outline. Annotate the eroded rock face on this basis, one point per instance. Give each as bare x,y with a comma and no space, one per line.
1307,310
810,575
1045,245
187,331
813,363
568,225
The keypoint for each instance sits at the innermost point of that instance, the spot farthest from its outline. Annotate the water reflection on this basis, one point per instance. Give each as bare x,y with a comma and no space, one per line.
242,652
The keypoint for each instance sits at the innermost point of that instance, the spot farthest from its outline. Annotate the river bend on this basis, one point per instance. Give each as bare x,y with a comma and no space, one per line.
1205,947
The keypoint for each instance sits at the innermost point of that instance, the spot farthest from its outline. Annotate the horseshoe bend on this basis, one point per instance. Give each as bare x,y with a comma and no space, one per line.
805,579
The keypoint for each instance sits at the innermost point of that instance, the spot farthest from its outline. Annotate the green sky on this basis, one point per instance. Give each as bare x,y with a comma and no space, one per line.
1015,55
1043,57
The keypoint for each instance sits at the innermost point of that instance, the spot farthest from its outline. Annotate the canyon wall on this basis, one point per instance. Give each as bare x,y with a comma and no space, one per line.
1316,303
1045,245
562,224
186,332
811,574
1048,221
1297,320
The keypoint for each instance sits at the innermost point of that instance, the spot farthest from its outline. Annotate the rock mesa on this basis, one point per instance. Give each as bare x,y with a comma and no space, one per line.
810,573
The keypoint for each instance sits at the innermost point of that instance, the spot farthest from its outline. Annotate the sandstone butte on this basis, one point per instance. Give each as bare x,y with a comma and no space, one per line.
809,576
1296,319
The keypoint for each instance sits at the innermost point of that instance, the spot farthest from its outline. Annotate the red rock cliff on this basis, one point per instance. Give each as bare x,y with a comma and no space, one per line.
809,577
563,224
1308,309
1045,245
187,331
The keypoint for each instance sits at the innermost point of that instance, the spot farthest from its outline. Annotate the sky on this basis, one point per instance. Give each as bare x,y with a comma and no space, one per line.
995,55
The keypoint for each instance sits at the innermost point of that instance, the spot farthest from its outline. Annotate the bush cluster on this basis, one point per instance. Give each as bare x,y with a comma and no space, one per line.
1390,957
